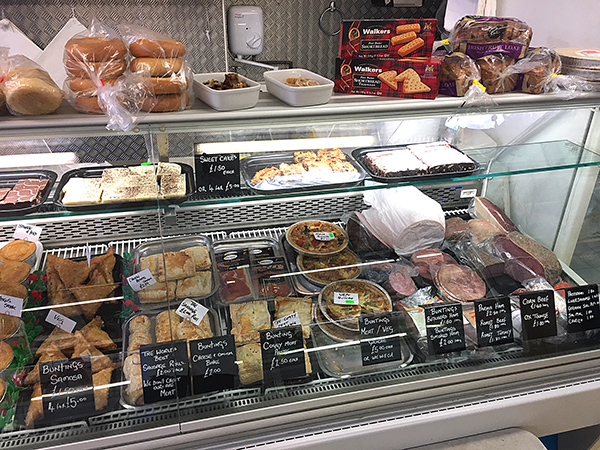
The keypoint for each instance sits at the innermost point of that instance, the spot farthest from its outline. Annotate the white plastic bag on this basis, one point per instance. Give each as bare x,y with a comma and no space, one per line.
405,218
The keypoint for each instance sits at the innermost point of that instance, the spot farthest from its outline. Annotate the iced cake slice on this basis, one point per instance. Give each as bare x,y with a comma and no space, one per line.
394,163
440,157
80,191
172,186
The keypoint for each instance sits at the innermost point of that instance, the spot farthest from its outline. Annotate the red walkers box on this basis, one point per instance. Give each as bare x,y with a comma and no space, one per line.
410,77
387,38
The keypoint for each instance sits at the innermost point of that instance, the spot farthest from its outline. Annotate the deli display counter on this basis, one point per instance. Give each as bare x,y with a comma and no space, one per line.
370,272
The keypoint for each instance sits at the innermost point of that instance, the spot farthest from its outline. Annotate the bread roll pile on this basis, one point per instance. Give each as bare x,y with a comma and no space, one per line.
92,62
163,60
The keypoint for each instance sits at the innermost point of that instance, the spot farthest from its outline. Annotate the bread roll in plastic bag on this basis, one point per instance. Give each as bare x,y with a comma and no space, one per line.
28,89
163,58
495,73
98,82
457,74
405,219
479,36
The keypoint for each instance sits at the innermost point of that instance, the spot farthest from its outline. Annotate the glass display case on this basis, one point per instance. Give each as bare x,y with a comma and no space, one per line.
301,276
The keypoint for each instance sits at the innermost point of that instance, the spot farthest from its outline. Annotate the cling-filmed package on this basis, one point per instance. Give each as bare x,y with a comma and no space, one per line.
536,70
479,36
496,75
98,82
26,88
457,74
163,59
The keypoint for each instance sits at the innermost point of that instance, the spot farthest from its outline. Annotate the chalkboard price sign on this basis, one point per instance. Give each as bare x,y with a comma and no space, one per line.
218,173
538,314
213,364
165,371
583,309
379,339
445,329
282,352
67,387
494,322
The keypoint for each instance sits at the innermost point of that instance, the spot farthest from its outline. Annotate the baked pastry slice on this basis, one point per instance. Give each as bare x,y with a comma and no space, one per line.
178,265
83,348
250,363
96,336
166,326
172,186
199,285
82,191
158,292
64,341
200,256
140,324
58,294
151,263
51,353
132,370
284,306
247,319
188,330
101,382
136,340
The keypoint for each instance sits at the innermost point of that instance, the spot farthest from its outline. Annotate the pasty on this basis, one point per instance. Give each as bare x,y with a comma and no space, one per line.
187,330
178,265
166,326
197,286
249,360
247,318
140,324
200,256
284,306
157,293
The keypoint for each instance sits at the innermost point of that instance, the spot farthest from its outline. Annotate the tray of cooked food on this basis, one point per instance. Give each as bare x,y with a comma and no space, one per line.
110,187
251,269
24,191
226,91
414,162
186,270
302,170
316,237
339,353
248,318
322,270
155,327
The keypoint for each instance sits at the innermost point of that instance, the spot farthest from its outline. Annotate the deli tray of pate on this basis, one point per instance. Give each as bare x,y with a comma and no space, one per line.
342,357
96,197
414,162
191,270
152,327
308,170
26,198
248,270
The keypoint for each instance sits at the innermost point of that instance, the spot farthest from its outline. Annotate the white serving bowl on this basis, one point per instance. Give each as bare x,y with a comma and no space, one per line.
230,99
302,95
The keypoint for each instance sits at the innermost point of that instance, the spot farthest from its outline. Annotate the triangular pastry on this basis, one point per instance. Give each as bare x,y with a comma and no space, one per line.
52,353
83,348
36,408
96,336
60,338
101,378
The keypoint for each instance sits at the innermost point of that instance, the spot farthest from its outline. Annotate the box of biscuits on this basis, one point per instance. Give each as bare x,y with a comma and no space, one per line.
387,38
409,77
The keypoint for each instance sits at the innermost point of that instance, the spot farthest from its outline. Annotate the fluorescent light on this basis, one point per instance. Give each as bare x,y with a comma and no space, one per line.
285,144
38,160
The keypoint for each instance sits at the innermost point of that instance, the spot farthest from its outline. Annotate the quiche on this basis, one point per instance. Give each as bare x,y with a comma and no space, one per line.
342,265
317,237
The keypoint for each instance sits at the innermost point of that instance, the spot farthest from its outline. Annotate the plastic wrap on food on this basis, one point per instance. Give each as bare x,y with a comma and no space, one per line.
429,260
568,86
3,61
163,59
361,238
413,304
455,228
396,277
483,208
457,74
478,36
481,230
28,89
536,70
478,257
496,75
98,82
405,219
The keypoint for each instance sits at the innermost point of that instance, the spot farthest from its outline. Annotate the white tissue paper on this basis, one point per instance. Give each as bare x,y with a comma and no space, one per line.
16,41
55,49
405,218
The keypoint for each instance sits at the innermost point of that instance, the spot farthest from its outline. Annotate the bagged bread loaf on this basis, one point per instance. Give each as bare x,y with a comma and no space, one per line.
457,74
99,81
495,73
479,36
3,61
405,219
163,60
536,70
28,89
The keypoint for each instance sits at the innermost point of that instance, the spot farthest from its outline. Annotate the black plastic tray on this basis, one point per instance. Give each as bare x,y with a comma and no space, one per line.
9,179
360,154
249,166
96,172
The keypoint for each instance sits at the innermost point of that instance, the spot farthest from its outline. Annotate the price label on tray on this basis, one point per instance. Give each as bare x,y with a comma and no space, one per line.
67,387
324,236
191,310
27,232
583,309
11,305
445,328
141,280
214,365
538,314
60,321
379,339
345,298
287,321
